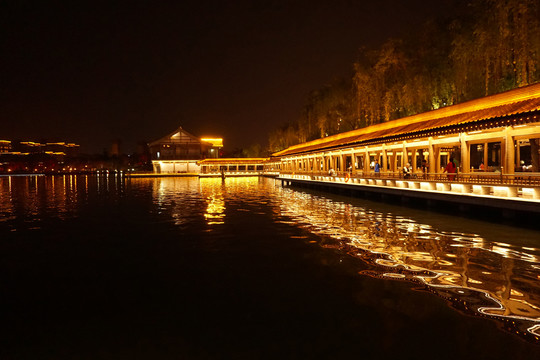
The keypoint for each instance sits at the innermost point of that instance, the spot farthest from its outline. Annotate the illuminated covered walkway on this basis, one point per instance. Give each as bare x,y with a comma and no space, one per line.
231,167
493,142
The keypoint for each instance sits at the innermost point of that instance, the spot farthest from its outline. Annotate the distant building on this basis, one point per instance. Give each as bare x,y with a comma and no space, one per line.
5,146
180,151
35,157
59,148
116,148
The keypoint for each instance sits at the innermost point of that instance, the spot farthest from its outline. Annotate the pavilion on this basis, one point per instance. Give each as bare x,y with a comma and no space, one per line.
494,141
180,152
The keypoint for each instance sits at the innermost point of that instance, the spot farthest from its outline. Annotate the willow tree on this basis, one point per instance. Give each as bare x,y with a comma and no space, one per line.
499,50
283,137
329,108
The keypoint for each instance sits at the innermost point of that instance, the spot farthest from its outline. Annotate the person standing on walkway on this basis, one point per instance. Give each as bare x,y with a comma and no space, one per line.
407,171
424,168
450,169
377,168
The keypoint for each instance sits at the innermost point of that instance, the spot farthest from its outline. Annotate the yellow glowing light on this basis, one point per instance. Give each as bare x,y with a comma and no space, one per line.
217,142
457,187
31,143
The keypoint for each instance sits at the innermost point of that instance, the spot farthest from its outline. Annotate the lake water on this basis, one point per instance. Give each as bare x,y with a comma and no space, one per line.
184,268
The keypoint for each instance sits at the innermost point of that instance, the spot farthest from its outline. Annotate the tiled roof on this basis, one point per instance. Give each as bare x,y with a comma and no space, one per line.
514,102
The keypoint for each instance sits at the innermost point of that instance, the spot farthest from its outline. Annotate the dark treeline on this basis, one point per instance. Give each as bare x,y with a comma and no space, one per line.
491,46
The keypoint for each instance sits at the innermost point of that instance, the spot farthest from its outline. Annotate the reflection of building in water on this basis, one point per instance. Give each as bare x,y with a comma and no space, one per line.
215,211
212,192
504,275
179,196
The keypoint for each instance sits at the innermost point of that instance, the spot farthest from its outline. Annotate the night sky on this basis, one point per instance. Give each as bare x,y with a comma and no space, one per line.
94,72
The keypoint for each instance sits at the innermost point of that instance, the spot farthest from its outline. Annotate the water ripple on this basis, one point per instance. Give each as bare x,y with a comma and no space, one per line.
458,266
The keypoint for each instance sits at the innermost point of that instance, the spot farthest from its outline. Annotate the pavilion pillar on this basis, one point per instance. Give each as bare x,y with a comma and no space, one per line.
517,154
405,156
509,153
431,160
366,160
486,156
384,165
414,161
465,154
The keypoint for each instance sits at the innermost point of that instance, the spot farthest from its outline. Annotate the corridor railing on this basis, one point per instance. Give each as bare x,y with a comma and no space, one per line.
476,178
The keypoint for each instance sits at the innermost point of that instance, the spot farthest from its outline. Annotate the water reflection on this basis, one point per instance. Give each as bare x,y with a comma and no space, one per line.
212,191
490,278
26,201
477,272
179,197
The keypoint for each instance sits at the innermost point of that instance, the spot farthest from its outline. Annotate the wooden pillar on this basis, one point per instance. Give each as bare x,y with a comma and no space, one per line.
465,154
517,154
414,162
384,165
366,160
509,159
405,156
486,156
432,166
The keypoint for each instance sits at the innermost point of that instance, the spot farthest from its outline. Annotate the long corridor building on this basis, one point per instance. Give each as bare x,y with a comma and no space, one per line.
496,134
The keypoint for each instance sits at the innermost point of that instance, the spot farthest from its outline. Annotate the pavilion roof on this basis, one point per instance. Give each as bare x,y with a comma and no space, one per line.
180,136
520,101
224,161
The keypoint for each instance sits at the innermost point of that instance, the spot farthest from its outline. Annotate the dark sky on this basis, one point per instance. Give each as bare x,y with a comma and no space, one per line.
93,72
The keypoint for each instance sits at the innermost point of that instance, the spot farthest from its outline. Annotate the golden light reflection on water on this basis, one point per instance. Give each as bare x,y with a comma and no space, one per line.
212,191
495,279
475,273
30,199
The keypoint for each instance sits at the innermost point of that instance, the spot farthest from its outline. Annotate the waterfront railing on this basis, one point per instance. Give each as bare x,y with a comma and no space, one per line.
493,178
